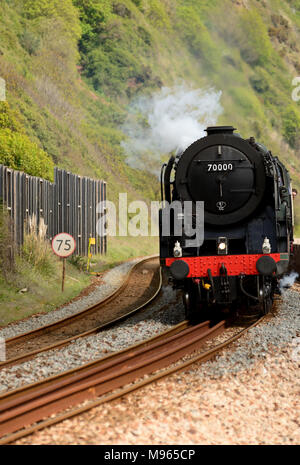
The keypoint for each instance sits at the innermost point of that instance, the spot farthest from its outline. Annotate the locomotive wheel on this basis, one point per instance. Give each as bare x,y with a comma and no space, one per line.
267,305
195,310
186,302
190,305
267,301
250,308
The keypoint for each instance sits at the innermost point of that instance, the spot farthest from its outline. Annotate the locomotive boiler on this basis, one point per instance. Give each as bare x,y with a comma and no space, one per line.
248,223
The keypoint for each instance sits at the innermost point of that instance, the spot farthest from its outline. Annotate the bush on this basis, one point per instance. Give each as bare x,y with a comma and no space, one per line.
138,3
18,152
157,14
197,36
291,126
16,149
94,12
259,81
247,103
53,9
33,10
29,41
7,118
255,43
78,261
36,249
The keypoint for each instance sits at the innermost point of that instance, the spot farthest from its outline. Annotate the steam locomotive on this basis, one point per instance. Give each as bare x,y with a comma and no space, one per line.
247,231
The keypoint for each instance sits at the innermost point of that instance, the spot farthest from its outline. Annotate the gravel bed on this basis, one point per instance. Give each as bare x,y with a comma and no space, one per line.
247,395
157,318
111,281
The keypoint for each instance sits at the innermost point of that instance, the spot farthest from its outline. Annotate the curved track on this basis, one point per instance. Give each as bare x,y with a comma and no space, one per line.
91,320
32,404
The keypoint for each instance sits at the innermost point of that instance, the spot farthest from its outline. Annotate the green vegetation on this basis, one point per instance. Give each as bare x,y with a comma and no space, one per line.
255,44
18,152
30,282
124,248
291,126
73,67
16,149
197,37
30,279
29,292
7,264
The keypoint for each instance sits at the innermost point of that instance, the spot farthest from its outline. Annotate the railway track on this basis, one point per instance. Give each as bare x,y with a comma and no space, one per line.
27,409
115,307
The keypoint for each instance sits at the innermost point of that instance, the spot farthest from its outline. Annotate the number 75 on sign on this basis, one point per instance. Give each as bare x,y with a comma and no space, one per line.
63,245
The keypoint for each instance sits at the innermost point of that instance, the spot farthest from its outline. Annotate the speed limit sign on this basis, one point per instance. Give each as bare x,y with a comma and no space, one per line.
63,245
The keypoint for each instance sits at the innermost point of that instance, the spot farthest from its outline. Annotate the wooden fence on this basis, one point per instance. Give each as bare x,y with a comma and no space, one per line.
67,205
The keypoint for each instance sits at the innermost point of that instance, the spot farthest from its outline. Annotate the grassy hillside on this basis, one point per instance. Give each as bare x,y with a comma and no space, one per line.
73,67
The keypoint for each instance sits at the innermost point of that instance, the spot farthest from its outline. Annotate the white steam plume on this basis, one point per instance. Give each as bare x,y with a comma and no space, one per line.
288,281
169,120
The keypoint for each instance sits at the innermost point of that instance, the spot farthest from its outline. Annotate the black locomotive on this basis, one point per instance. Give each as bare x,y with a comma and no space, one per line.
248,222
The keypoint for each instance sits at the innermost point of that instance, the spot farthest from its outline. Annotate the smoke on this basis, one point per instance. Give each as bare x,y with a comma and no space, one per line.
169,120
288,281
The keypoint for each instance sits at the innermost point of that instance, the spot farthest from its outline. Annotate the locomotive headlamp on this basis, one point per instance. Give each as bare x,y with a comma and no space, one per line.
222,246
266,247
177,251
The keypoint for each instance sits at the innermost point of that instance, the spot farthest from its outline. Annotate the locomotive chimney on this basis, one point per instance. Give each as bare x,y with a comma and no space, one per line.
220,130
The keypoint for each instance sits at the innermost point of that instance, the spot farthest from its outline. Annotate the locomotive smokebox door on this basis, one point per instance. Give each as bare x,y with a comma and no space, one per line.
225,172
